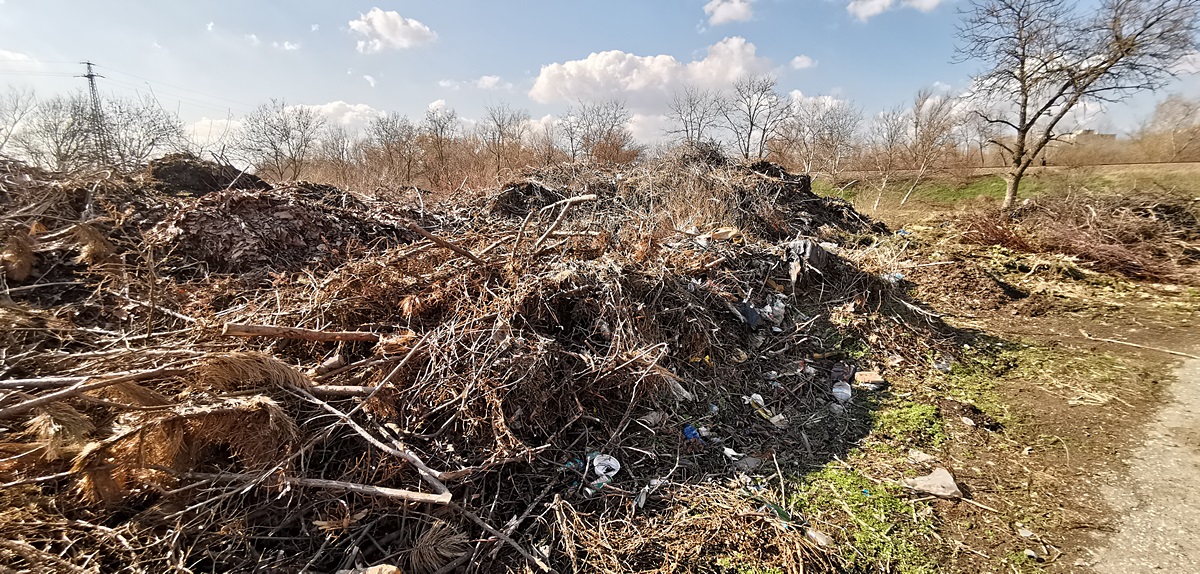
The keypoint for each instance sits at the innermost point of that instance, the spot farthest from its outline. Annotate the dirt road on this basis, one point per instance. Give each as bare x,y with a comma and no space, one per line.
1158,499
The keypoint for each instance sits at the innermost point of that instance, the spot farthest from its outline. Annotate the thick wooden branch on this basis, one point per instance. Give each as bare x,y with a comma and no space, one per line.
445,243
243,330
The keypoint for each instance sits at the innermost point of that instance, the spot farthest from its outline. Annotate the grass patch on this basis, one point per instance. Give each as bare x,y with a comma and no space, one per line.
911,424
881,528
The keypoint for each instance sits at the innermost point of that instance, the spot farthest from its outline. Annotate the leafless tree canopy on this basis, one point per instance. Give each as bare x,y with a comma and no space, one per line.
694,114
277,139
503,130
819,134
1044,57
55,135
138,130
600,130
753,112
393,146
15,105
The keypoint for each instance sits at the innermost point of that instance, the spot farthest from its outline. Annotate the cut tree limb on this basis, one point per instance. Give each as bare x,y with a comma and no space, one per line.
83,387
243,330
444,243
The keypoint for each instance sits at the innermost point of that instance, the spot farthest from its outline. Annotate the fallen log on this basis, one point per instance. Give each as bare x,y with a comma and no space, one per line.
244,330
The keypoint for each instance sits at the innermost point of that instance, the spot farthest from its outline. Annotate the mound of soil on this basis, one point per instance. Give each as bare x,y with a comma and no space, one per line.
186,174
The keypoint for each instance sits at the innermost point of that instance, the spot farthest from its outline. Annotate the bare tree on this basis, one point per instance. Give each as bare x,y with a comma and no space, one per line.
820,133
753,114
56,134
338,151
139,129
600,129
502,131
930,134
394,144
1047,56
278,139
15,105
1174,127
694,114
886,137
542,138
438,132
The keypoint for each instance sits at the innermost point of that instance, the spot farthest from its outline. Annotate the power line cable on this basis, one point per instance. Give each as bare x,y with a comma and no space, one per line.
181,88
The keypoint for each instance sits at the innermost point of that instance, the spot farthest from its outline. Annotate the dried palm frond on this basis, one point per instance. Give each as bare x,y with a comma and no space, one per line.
94,247
436,547
59,429
245,370
17,257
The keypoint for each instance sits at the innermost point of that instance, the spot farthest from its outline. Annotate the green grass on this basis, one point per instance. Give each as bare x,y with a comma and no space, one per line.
910,424
881,526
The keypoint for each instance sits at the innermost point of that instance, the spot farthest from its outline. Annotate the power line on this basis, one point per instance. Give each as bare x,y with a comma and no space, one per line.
183,99
181,88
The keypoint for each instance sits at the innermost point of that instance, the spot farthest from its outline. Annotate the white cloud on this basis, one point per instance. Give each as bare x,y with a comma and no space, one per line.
648,128
449,84
437,105
803,62
354,117
253,38
316,27
370,80
208,131
389,30
492,83
723,11
286,46
865,9
922,5
645,82
209,27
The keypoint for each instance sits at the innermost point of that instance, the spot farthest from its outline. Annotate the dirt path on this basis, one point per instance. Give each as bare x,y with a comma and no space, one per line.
1158,501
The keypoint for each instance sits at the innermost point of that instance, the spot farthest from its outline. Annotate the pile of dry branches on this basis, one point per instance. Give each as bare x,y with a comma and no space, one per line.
297,379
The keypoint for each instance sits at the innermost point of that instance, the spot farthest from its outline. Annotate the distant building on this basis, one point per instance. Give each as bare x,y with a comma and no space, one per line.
1087,137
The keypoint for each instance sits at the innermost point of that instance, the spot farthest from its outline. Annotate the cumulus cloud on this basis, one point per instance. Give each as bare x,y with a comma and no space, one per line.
286,46
492,83
449,84
209,27
315,27
803,62
866,9
389,31
208,131
437,105
645,82
253,38
353,117
724,11
370,80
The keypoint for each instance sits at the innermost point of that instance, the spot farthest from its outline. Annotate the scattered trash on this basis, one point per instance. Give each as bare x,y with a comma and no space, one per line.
869,377
939,483
895,277
691,436
1024,533
605,466
942,365
823,540
806,258
919,457
841,391
654,419
732,454
646,491
1032,555
756,400
748,463
968,421
837,409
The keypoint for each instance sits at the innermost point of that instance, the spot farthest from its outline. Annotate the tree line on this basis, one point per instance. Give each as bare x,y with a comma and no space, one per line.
1043,61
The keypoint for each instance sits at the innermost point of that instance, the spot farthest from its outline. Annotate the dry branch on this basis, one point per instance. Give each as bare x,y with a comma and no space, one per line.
80,388
444,243
243,330
367,489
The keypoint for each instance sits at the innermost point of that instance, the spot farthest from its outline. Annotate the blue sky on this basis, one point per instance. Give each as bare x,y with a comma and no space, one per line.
217,58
